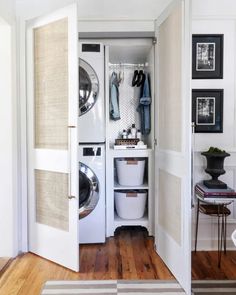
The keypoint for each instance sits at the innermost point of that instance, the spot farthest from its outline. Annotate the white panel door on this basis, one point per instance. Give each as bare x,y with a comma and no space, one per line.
173,134
52,115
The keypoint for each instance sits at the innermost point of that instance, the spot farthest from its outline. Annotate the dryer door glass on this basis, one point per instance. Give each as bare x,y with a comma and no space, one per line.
88,190
88,87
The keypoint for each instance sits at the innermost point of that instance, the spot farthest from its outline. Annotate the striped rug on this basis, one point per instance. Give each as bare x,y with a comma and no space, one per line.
207,287
112,287
140,287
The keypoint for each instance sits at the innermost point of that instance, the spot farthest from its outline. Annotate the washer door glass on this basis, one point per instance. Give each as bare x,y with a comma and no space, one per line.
88,87
88,190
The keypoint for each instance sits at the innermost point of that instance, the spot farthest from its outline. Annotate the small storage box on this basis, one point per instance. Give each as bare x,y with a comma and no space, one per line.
130,204
130,172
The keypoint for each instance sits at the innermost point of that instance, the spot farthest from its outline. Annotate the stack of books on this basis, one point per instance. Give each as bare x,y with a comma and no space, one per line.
206,192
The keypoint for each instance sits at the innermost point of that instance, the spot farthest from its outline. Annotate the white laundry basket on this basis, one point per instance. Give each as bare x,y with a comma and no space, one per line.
130,172
130,204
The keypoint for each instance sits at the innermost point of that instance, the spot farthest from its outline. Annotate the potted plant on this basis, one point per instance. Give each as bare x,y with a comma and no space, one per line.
215,167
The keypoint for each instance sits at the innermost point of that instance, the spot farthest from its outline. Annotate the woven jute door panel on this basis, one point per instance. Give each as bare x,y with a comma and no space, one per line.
169,209
52,199
51,85
170,102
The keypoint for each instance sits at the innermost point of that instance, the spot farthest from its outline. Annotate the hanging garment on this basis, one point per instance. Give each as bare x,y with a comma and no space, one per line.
141,78
114,97
144,107
135,78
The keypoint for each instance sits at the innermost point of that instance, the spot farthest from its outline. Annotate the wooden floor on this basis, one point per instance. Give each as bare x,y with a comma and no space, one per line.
130,255
3,262
205,266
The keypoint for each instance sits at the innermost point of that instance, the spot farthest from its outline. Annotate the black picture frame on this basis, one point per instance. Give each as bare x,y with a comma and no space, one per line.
207,110
207,56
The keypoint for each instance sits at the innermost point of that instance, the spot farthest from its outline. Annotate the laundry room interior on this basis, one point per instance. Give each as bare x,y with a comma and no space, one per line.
104,156
107,153
105,174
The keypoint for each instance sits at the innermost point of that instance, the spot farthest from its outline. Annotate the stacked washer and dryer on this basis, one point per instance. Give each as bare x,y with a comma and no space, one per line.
91,143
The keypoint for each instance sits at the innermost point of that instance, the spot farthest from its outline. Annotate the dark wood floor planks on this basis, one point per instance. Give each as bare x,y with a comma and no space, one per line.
205,266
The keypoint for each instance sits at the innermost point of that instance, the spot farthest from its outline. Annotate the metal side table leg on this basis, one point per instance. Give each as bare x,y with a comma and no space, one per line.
221,238
225,231
196,231
218,216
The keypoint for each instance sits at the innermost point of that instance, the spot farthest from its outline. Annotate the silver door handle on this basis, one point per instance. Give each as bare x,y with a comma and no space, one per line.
71,197
69,157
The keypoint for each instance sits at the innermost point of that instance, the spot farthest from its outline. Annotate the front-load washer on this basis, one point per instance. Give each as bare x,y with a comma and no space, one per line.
91,93
92,194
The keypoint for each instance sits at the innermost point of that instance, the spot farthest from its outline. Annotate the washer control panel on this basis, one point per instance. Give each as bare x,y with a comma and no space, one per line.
90,47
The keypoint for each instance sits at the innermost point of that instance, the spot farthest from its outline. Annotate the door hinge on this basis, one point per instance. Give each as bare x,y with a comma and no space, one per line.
154,40
155,141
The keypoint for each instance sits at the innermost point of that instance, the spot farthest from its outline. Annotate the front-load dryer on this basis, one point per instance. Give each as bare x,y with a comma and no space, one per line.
91,93
91,194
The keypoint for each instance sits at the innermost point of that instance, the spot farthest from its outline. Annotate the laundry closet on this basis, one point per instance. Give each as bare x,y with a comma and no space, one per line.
131,62
77,145
126,57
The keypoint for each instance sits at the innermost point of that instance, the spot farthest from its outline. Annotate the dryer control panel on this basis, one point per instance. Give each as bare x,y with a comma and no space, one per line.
91,151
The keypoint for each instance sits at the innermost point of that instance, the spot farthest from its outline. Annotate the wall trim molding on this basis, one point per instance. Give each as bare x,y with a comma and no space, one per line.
212,245
214,17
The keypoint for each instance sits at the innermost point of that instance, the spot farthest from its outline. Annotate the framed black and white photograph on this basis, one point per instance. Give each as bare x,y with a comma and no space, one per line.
207,110
207,56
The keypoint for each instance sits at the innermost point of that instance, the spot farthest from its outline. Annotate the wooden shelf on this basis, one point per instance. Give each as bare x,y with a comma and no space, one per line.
117,186
129,222
130,153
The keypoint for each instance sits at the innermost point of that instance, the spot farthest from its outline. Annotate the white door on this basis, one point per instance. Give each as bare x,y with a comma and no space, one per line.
173,150
52,102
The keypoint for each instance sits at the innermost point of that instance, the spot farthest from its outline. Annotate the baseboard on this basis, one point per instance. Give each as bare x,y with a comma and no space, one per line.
212,245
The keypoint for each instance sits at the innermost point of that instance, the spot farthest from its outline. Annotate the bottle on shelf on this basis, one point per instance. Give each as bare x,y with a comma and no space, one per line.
133,131
139,135
129,134
124,134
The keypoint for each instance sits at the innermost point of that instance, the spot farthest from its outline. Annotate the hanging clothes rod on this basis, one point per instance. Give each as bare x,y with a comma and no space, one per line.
128,65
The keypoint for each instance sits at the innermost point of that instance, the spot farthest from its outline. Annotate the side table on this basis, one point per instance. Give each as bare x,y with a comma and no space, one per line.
214,202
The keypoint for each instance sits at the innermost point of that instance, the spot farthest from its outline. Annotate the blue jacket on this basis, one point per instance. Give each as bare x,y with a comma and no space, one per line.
144,107
114,97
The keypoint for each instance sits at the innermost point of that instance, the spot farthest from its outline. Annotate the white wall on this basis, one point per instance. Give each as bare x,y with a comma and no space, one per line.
218,17
214,8
7,10
8,140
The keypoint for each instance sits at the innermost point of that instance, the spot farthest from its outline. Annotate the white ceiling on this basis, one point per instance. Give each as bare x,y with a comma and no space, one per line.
128,9
96,9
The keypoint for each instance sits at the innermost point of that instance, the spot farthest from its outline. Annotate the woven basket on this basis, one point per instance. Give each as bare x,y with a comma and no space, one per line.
128,141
